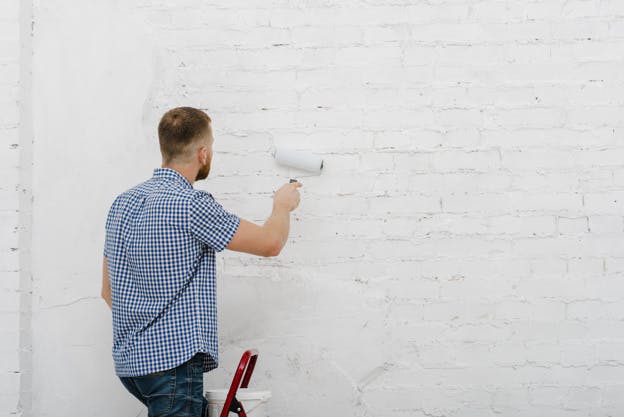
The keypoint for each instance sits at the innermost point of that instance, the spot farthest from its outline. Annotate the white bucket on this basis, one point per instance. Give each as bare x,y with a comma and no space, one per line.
254,402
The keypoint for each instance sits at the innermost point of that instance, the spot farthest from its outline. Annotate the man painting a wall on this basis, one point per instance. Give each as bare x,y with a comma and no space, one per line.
159,270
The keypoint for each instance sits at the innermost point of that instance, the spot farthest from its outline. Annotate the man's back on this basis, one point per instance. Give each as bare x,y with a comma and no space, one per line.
161,238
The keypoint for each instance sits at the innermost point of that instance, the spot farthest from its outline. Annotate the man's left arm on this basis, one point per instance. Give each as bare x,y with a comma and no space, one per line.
106,290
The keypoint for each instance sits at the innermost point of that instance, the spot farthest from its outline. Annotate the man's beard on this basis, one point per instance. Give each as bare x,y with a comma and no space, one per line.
203,172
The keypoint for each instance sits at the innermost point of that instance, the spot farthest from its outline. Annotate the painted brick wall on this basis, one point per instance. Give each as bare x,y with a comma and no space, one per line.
9,207
461,254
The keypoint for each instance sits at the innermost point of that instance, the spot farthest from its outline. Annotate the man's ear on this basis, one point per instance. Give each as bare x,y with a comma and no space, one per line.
203,155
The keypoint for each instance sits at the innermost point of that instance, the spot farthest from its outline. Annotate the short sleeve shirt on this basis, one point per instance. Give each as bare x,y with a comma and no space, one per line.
160,244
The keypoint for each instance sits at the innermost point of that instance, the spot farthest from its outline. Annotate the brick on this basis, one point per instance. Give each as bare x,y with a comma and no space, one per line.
572,226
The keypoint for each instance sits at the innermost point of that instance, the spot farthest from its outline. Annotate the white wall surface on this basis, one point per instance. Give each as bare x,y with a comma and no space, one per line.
9,207
15,207
461,254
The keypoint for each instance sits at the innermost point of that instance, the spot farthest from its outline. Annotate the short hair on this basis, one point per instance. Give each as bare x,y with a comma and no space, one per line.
178,129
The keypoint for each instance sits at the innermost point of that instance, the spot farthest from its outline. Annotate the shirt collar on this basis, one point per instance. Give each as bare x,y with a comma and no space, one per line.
172,174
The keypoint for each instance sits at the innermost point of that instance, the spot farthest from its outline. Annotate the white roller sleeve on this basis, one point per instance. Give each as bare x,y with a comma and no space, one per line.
299,159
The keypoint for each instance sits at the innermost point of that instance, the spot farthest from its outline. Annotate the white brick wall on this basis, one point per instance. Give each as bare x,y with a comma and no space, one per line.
461,254
9,208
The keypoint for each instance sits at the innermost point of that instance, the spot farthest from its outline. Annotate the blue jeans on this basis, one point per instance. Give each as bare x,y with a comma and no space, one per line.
176,392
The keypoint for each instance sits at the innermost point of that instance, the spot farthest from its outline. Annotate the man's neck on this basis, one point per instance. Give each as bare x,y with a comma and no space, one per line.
186,171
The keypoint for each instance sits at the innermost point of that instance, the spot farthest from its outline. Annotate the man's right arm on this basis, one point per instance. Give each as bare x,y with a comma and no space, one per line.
270,238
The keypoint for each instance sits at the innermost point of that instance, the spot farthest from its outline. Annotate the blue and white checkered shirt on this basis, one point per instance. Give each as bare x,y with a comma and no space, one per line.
161,239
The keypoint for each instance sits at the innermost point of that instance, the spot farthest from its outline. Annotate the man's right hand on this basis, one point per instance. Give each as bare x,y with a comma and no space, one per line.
287,196
269,239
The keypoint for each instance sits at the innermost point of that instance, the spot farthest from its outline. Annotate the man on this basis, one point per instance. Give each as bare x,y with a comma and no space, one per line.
159,268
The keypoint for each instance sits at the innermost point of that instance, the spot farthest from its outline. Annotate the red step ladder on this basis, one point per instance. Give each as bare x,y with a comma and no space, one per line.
246,366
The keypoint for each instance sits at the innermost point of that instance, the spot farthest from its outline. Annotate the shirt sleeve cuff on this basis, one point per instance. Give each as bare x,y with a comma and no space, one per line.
234,222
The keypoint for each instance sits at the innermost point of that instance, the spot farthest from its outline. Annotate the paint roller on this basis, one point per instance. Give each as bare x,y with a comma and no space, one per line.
298,159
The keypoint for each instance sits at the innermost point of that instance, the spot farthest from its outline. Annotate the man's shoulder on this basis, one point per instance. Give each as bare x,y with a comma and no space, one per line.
129,194
150,188
201,194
